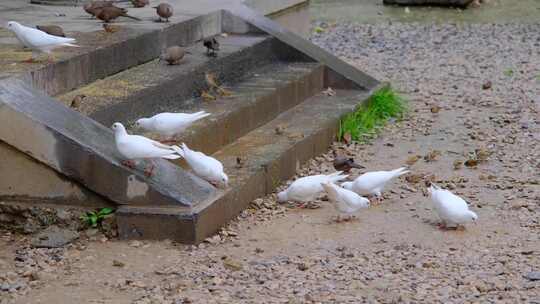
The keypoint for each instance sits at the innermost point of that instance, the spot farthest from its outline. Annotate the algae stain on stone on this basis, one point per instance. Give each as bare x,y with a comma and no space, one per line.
135,188
110,88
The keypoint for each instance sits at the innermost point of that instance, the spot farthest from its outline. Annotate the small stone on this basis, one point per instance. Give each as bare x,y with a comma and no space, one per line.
232,264
54,237
435,109
303,266
91,232
487,85
135,244
533,276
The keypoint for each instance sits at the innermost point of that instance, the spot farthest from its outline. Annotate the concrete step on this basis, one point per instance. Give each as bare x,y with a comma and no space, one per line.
262,86
258,97
142,90
307,130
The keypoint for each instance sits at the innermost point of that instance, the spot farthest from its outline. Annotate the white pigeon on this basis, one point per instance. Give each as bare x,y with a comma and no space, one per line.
344,200
452,209
170,124
307,188
38,41
372,183
206,167
136,147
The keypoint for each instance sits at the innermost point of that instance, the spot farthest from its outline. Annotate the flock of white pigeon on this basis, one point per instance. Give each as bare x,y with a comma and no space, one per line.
347,197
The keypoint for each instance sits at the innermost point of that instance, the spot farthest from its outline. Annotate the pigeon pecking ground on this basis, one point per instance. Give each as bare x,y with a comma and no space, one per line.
473,127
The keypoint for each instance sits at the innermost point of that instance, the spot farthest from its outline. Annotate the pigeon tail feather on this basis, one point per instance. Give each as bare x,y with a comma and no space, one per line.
172,156
70,44
433,188
399,172
178,150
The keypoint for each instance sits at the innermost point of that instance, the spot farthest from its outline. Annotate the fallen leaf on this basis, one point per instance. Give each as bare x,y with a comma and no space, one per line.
414,178
280,129
435,109
232,264
210,79
412,160
223,92
482,155
432,156
347,138
471,163
458,164
329,92
207,96
117,263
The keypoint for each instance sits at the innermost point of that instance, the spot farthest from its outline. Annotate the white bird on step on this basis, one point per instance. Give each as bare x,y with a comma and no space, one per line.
170,124
372,183
38,41
136,147
345,201
306,189
206,167
452,209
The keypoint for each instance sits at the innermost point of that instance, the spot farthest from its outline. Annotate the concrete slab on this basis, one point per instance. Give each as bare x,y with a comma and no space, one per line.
84,151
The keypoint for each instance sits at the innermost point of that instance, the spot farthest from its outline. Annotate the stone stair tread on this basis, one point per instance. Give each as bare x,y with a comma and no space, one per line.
116,88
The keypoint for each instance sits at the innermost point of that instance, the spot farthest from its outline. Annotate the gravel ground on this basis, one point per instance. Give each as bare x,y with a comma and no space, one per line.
474,99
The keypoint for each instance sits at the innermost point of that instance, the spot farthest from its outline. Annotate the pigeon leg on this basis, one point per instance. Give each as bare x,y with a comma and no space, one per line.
50,58
442,225
32,58
149,172
129,163
171,140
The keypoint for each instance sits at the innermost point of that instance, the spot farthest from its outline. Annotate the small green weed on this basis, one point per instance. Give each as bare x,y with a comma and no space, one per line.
370,117
93,218
318,30
509,73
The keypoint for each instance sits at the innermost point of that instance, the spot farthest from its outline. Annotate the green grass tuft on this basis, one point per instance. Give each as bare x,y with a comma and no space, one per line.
366,120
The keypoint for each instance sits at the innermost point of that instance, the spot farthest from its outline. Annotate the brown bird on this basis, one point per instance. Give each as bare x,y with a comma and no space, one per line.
76,102
109,13
212,46
94,7
164,10
345,164
54,30
140,3
173,55
109,28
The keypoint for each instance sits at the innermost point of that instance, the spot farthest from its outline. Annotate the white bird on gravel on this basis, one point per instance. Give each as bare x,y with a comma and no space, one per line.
136,147
38,41
307,188
345,201
206,167
372,183
170,124
452,209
